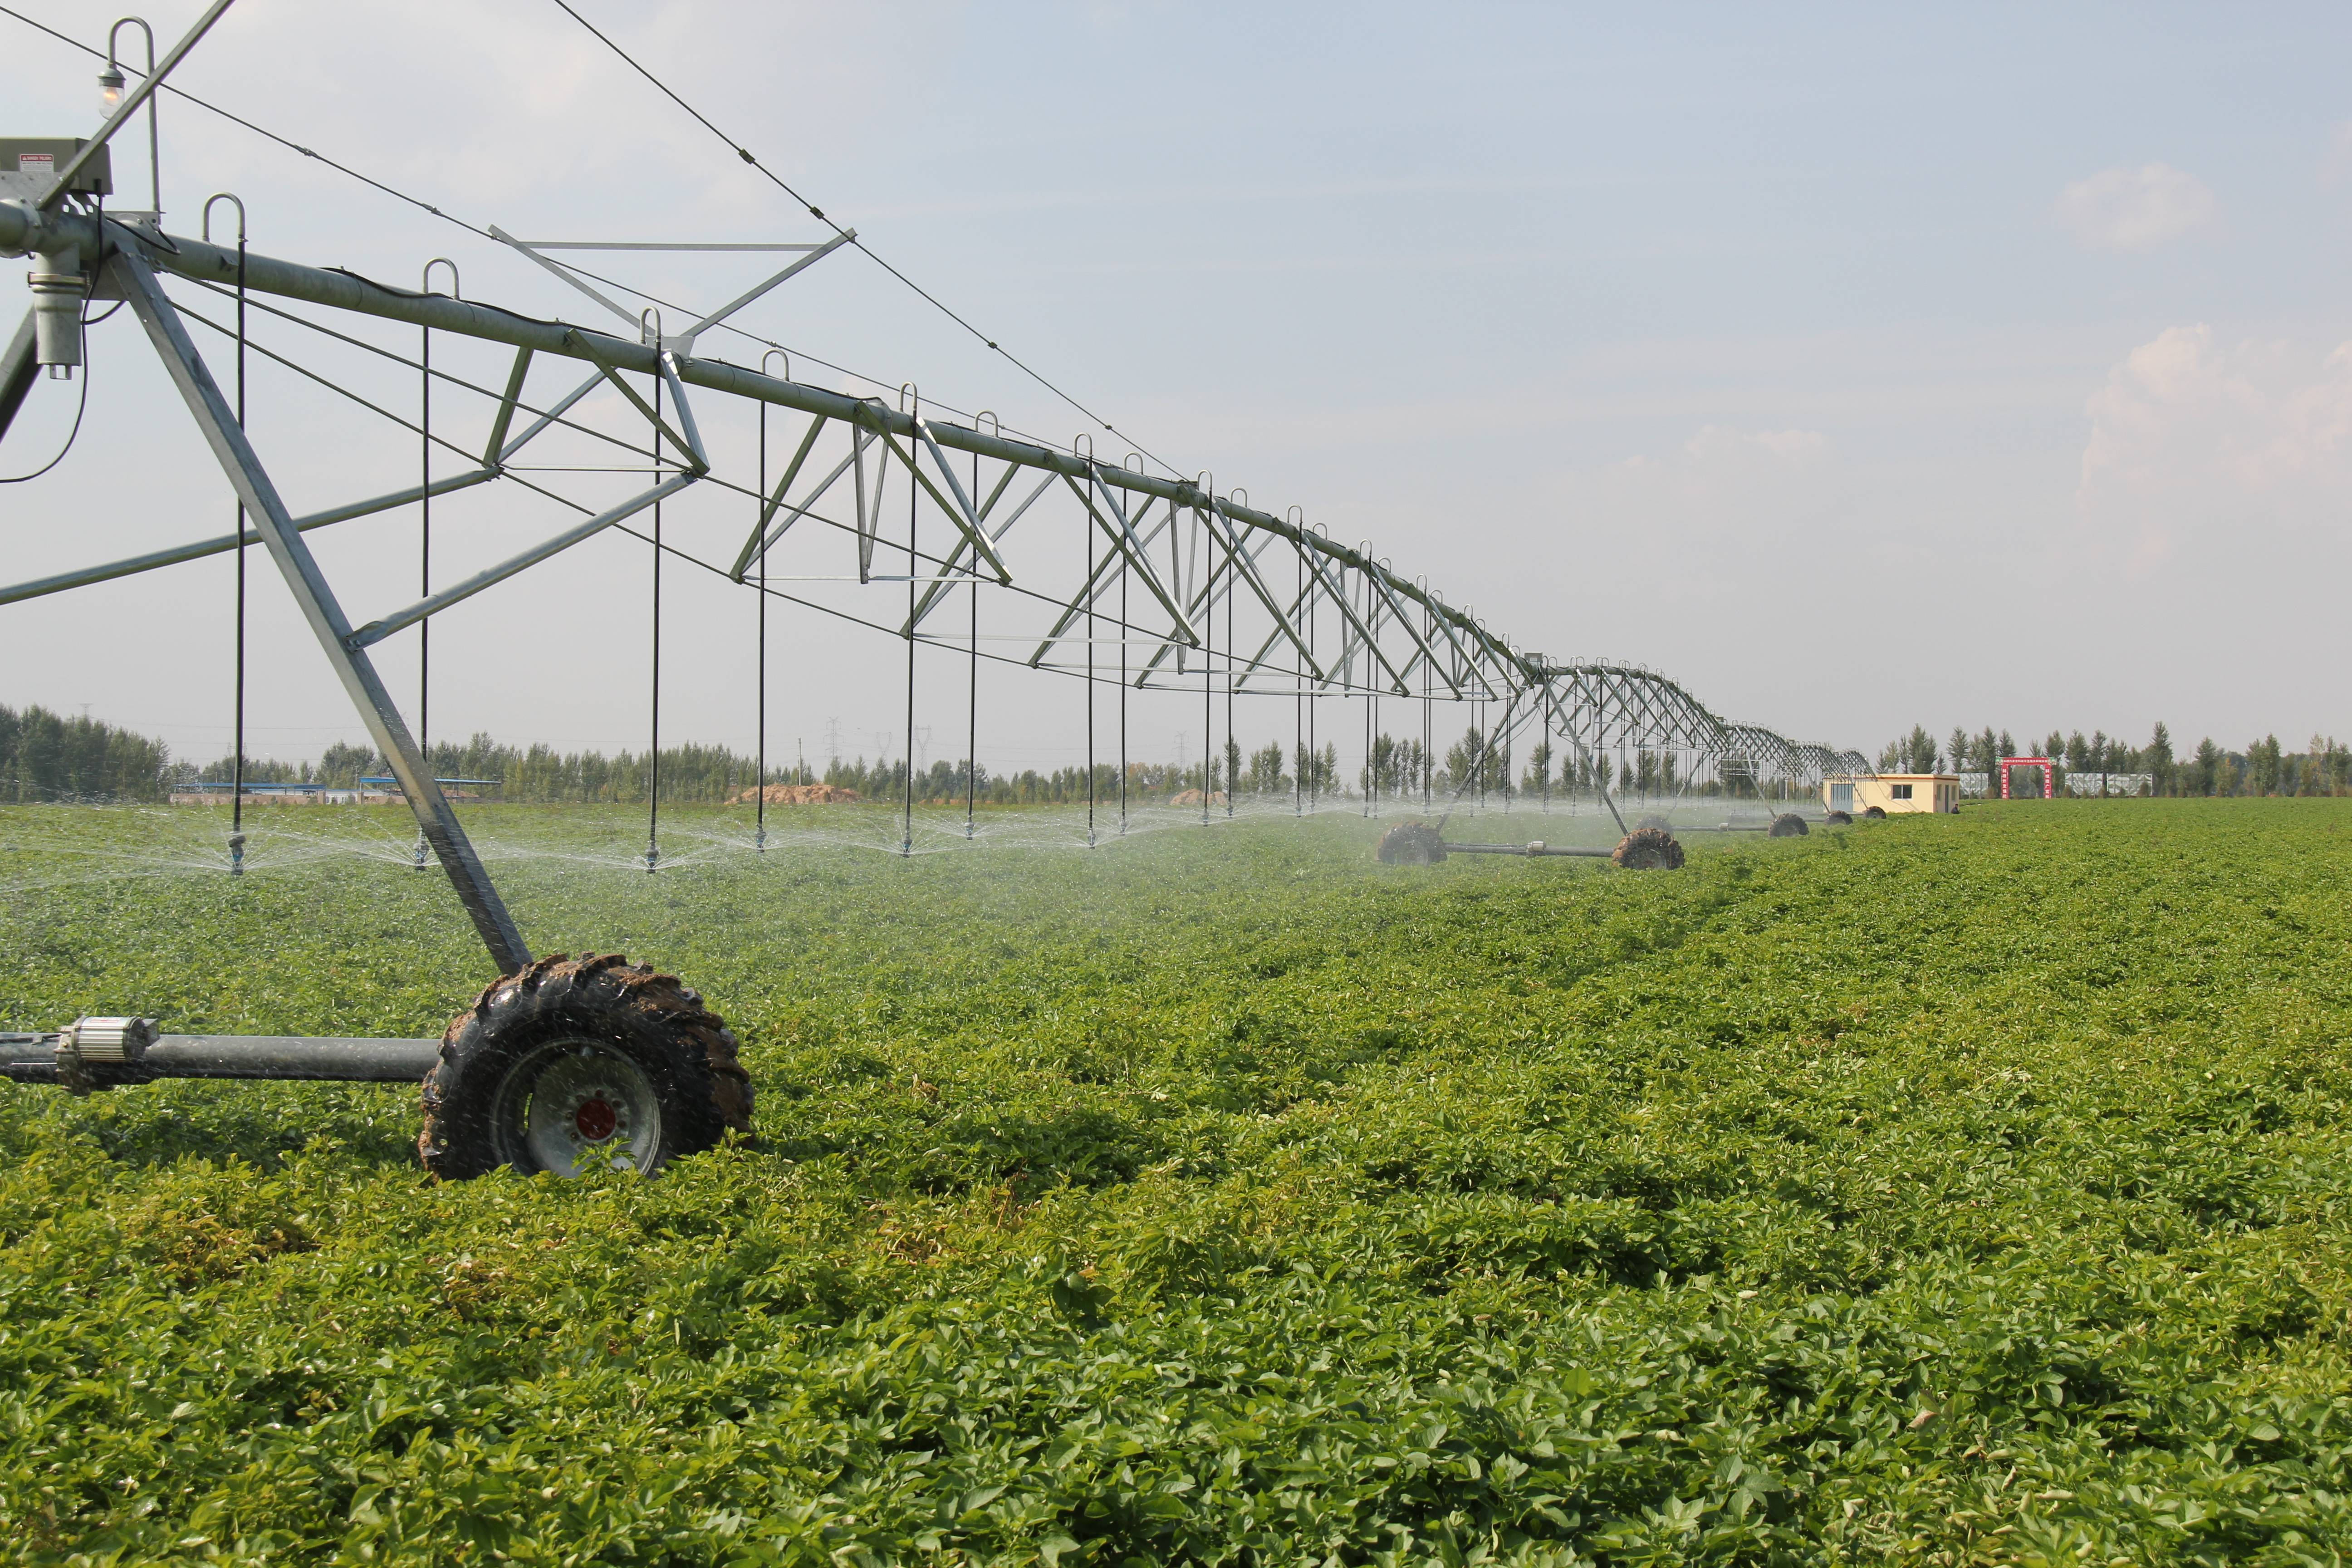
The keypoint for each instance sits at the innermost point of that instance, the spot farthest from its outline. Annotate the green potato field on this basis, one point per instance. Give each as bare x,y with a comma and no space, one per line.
1946,1189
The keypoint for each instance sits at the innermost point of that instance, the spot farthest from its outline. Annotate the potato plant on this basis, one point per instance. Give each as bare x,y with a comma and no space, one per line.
1945,1189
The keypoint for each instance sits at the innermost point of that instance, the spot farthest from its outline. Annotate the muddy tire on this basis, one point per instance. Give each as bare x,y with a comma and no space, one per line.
1839,819
1649,849
575,1063
1787,825
1410,844
1874,813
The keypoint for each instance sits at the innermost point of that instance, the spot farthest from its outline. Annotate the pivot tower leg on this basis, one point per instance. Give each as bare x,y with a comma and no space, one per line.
434,818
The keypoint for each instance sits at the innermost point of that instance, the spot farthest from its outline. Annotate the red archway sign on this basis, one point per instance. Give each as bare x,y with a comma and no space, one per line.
2049,774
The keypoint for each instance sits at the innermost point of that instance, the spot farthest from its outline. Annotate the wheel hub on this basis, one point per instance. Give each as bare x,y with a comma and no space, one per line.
592,1107
597,1120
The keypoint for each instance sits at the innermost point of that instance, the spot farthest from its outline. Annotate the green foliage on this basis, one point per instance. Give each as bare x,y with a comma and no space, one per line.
46,757
1950,1190
1912,754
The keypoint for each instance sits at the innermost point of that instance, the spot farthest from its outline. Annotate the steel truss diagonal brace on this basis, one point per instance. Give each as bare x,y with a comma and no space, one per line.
376,631
1097,583
1338,597
227,542
1245,562
952,571
758,539
959,510
965,517
1126,548
1121,533
434,818
664,368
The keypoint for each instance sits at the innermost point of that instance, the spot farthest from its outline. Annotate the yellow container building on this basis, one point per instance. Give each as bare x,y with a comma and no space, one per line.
1892,792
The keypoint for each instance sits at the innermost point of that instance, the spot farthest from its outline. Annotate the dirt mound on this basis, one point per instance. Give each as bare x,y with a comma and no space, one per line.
1787,825
1410,844
1649,849
796,795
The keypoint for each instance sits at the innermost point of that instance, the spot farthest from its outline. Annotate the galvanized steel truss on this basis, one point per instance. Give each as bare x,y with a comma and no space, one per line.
1095,569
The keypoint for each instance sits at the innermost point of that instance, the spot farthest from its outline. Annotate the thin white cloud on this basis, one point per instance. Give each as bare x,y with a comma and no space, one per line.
2134,209
2191,439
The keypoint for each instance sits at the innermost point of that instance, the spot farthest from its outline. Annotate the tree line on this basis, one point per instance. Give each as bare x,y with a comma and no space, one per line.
2264,767
45,756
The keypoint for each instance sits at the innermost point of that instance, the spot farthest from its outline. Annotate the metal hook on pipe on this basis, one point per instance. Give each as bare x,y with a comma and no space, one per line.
110,83
223,196
456,287
788,365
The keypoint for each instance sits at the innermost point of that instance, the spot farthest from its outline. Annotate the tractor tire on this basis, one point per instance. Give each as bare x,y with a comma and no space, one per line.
1649,849
1410,844
1839,819
580,1063
1874,813
1787,825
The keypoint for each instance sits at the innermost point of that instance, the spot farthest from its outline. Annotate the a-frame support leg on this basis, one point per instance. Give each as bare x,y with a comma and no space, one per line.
275,525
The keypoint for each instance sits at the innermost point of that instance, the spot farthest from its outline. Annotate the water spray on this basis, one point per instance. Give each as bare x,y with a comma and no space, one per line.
564,1064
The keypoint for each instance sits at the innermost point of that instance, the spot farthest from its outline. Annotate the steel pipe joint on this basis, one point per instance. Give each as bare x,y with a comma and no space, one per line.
25,230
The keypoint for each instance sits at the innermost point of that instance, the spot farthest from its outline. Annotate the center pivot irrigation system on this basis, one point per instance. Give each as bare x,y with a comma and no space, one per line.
1131,580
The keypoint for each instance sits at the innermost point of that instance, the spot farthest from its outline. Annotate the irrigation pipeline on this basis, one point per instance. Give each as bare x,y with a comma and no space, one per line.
1597,703
348,291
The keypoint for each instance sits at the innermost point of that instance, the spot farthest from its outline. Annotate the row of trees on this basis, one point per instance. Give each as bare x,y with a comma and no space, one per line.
46,756
2265,767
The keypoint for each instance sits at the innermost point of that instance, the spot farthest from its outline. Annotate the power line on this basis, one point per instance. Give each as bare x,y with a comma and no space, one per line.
818,213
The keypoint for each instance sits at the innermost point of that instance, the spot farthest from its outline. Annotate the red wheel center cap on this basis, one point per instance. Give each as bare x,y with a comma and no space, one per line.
595,1119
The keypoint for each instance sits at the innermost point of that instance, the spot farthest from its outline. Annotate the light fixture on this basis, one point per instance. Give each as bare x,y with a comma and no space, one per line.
110,84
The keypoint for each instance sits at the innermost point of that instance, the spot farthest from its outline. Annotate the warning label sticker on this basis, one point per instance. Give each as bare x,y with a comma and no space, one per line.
36,163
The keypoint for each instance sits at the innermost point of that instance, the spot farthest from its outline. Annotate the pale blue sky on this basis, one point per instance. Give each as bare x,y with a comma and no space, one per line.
1856,365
